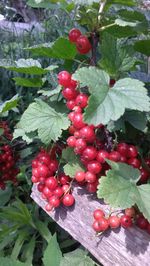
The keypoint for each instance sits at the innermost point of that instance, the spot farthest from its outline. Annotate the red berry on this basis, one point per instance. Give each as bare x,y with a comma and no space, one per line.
54,201
83,45
80,176
47,192
48,207
70,104
69,94
71,141
53,166
73,84
64,179
94,167
34,179
40,187
74,34
82,100
102,155
148,228
90,177
81,144
51,183
58,192
126,221
88,134
89,153
142,222
103,224
68,200
98,214
123,159
132,151
96,226
114,156
43,171
64,78
144,175
122,148
92,187
114,221
134,162
78,121
66,188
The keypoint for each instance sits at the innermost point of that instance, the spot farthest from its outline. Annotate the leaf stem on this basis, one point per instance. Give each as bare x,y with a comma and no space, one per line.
101,9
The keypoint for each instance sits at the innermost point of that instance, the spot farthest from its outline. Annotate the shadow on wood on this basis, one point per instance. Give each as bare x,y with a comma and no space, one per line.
115,247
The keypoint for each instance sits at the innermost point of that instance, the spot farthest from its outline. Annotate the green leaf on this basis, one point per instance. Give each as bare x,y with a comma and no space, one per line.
85,2
107,104
143,47
73,162
9,262
122,2
116,58
29,82
52,254
5,195
77,258
28,137
18,244
118,188
9,105
27,66
50,93
41,117
137,119
43,230
61,49
28,251
121,32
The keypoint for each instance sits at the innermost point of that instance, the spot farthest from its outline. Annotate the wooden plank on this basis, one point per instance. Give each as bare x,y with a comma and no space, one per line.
115,247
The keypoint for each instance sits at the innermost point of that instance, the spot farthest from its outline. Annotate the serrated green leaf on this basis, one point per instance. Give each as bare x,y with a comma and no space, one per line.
41,117
121,32
143,47
61,49
29,82
43,230
28,251
9,262
43,3
116,58
8,105
77,258
107,104
118,188
28,137
123,2
27,66
50,93
73,162
52,254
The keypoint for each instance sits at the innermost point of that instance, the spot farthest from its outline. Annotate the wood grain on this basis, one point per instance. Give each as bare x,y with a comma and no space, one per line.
115,247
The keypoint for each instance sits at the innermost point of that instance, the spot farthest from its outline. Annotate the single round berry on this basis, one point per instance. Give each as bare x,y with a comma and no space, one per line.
82,100
64,78
80,144
78,121
47,192
68,200
80,176
69,94
98,214
96,226
94,167
122,148
51,183
90,177
114,221
71,141
102,155
58,192
144,175
64,179
92,187
134,162
40,187
114,156
43,171
54,201
53,166
89,153
70,104
142,222
132,151
148,228
126,221
74,34
48,207
88,134
103,224
83,45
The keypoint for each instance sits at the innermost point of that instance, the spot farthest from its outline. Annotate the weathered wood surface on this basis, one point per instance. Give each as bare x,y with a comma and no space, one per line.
115,247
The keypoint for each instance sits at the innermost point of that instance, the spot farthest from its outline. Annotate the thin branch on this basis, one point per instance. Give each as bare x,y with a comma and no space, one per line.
101,9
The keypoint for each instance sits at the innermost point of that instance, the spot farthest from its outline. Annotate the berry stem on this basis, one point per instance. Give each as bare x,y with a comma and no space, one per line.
95,41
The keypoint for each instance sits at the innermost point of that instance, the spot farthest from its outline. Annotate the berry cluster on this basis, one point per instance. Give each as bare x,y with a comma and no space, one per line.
85,142
83,44
8,159
102,223
55,188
